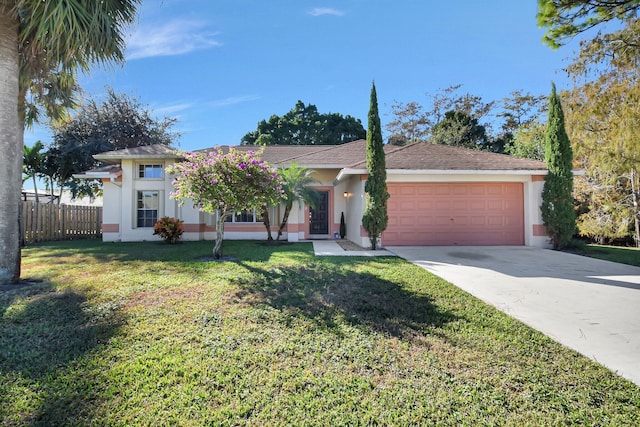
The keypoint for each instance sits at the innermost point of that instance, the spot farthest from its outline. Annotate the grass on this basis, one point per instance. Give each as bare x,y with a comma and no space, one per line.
146,334
624,255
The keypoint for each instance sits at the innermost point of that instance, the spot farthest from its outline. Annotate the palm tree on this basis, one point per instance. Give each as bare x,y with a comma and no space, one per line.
296,186
42,44
32,164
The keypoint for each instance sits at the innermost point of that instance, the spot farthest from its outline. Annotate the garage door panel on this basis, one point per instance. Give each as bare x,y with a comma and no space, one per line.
478,205
459,190
455,214
442,190
406,221
462,205
406,191
441,205
408,205
495,220
478,220
477,190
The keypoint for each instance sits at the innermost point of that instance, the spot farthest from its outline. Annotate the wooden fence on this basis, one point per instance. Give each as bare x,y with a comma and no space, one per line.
42,222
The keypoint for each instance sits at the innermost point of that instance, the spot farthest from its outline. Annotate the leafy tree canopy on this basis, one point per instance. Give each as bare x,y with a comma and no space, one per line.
435,123
528,142
220,183
42,44
564,19
32,164
459,129
303,125
115,123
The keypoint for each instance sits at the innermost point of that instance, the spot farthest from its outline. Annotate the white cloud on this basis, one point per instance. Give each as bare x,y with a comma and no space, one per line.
320,11
171,110
175,37
233,100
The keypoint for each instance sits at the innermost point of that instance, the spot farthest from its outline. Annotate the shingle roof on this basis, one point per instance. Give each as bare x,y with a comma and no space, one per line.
422,156
274,154
318,156
352,155
155,151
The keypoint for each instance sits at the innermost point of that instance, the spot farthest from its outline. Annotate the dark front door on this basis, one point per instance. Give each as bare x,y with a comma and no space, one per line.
319,216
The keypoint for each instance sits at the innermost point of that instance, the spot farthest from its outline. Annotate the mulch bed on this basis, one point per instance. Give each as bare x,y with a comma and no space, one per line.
348,245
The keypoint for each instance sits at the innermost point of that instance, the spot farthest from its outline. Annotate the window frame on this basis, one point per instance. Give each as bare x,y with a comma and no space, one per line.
139,198
142,171
274,217
255,215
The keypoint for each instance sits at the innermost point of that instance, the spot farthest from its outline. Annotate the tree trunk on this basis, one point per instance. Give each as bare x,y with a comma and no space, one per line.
35,188
636,209
285,218
11,147
267,222
217,248
374,243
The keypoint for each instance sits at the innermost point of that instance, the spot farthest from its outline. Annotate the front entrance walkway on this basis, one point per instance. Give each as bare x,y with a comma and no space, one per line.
589,305
331,248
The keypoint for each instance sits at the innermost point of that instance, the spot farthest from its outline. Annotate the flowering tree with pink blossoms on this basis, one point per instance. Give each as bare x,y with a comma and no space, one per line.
219,184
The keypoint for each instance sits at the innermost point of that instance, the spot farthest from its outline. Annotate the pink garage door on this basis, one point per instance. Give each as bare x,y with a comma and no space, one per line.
470,213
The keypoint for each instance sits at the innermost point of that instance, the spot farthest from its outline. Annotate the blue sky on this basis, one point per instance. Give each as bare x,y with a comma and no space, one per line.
219,67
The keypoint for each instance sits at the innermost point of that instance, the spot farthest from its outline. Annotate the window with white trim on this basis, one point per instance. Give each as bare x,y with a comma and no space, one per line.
246,216
150,171
148,206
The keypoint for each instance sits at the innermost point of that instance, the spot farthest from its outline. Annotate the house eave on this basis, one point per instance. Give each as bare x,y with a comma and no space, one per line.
467,171
98,175
310,165
117,159
346,171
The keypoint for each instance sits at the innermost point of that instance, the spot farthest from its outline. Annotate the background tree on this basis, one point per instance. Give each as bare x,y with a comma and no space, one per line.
459,129
296,187
36,39
303,125
557,195
450,117
32,164
409,124
605,206
564,19
605,125
117,122
603,117
528,142
221,184
375,216
520,114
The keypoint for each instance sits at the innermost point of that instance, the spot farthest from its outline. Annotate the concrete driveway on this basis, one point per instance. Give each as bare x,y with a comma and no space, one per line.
589,305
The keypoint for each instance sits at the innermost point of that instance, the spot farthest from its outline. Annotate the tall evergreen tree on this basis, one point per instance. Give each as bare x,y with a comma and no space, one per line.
557,196
375,216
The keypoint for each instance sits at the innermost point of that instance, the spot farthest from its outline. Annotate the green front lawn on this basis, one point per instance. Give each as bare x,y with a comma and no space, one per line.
621,254
146,334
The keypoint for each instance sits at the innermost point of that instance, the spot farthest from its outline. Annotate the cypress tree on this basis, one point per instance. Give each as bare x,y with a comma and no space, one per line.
375,216
558,214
